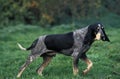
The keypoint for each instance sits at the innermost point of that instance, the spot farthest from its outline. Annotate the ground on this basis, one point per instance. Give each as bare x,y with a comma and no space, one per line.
105,55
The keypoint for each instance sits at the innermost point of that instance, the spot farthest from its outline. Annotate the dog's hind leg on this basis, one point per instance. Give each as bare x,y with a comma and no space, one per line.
46,61
29,60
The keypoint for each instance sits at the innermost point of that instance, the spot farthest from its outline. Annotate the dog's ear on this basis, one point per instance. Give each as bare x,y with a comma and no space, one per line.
105,38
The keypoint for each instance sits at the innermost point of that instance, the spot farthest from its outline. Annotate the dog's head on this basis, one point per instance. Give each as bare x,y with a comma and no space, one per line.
99,32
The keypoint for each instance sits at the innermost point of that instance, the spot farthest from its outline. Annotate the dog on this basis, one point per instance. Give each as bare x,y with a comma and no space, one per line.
74,44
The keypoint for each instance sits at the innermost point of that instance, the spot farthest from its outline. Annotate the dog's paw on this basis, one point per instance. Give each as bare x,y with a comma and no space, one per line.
85,71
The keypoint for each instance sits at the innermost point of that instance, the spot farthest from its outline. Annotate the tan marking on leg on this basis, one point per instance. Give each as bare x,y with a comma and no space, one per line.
98,36
20,73
75,66
25,65
89,66
46,61
75,71
31,59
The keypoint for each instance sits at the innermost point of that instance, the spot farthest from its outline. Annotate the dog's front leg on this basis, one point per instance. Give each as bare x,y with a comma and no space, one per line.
89,65
75,65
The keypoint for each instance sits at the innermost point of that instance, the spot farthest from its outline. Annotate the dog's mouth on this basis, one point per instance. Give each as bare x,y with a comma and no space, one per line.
103,38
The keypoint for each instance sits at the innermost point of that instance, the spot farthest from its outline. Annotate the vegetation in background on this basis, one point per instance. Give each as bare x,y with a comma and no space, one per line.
51,12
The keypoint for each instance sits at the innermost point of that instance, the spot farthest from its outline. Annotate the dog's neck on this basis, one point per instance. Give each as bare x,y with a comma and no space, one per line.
86,34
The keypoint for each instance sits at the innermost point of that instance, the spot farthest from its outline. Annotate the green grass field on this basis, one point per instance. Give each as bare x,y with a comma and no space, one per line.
105,56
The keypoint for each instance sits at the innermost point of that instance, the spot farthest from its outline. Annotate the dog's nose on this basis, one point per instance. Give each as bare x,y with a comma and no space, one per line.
103,37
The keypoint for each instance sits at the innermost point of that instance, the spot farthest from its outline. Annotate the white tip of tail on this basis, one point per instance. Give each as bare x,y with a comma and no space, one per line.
20,46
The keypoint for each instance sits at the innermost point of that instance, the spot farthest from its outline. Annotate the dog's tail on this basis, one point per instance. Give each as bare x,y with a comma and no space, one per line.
21,47
29,48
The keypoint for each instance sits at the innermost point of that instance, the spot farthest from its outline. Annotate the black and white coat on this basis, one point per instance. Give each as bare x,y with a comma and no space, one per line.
67,44
74,44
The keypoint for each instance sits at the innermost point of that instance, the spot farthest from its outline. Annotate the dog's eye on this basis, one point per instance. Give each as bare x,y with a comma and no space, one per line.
98,29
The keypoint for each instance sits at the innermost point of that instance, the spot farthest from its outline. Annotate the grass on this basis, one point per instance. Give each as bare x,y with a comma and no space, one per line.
105,56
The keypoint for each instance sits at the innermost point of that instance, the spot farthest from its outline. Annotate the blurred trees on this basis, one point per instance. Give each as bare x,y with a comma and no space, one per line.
53,11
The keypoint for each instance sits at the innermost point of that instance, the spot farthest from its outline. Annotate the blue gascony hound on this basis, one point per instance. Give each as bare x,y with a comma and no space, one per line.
74,44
